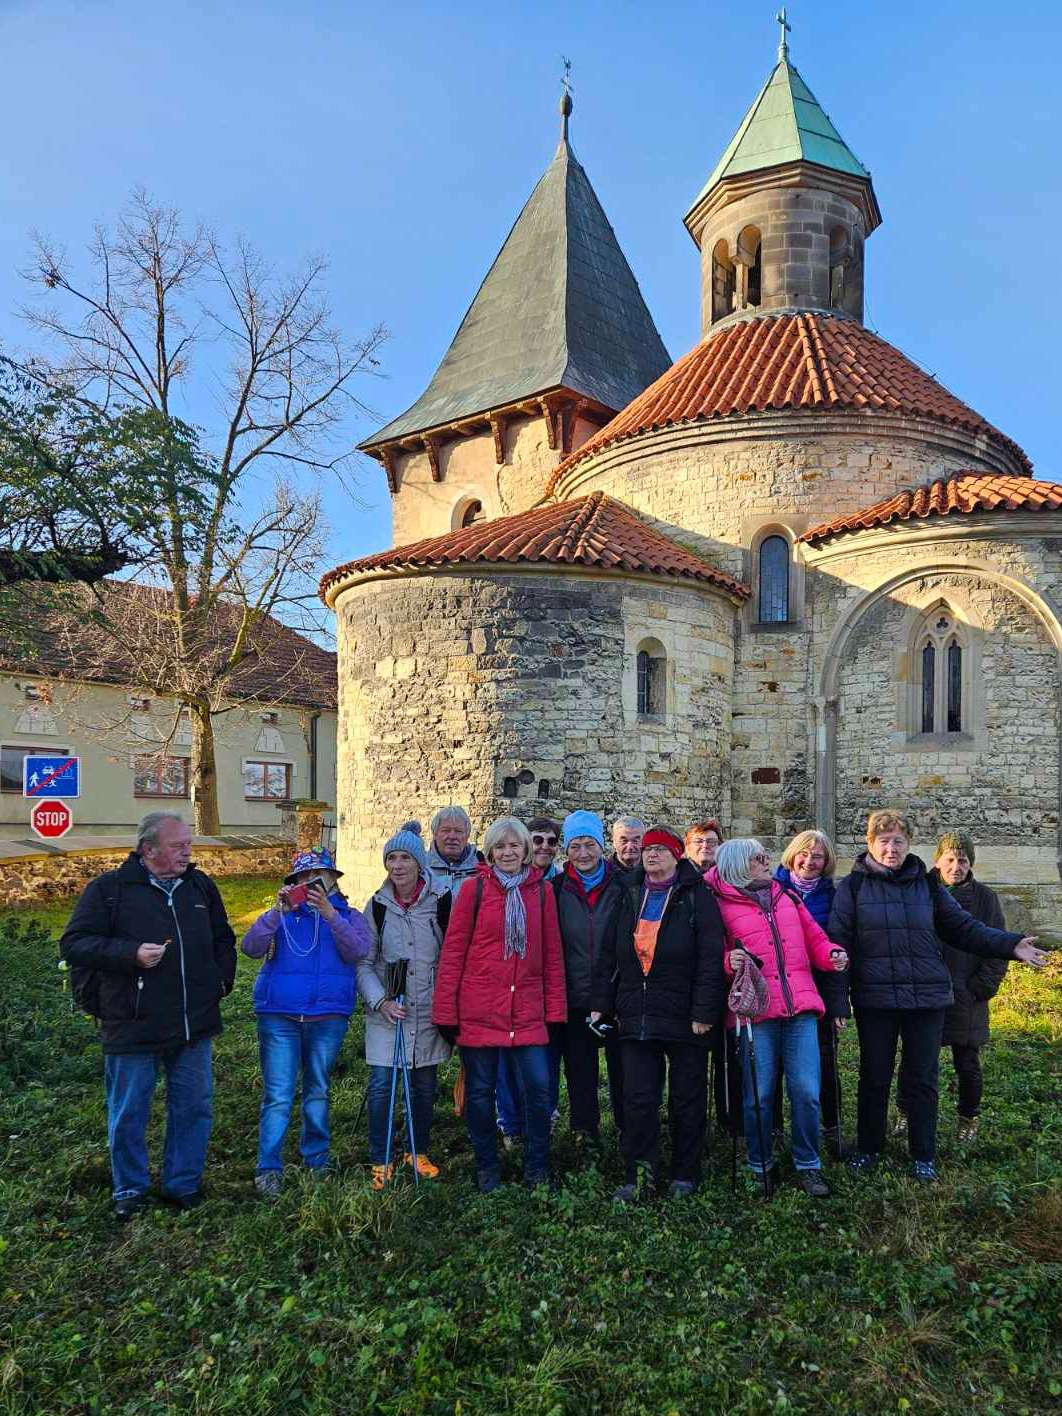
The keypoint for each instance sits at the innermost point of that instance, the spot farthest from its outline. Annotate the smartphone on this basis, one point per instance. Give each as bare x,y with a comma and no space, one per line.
602,1028
295,895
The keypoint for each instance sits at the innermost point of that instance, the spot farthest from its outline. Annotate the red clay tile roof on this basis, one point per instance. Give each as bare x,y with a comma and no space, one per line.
50,631
966,492
592,531
807,361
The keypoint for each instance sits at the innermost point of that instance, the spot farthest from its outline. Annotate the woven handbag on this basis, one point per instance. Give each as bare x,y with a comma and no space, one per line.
749,995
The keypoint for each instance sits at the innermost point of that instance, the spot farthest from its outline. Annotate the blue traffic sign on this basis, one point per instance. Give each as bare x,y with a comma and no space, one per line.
51,776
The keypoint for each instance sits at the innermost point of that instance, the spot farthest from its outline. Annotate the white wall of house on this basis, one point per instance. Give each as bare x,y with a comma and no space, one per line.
134,754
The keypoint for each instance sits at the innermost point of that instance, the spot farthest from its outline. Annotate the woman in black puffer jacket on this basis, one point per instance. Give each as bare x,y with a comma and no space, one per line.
890,918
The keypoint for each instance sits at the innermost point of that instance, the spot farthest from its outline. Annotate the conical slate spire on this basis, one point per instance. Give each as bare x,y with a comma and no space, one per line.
559,309
786,123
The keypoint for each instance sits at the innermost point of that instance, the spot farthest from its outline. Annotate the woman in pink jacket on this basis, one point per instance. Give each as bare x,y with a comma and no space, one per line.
768,923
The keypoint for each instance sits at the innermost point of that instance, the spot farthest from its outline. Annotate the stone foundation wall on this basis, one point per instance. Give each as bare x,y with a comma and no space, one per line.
516,693
33,879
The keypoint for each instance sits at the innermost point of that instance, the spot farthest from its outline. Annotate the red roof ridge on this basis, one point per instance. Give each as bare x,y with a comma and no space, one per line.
964,492
595,531
807,360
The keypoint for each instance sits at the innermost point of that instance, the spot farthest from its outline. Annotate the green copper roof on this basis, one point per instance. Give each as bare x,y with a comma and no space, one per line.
559,308
784,124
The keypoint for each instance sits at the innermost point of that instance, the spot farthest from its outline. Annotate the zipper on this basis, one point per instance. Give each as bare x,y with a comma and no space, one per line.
641,1035
180,952
783,977
139,991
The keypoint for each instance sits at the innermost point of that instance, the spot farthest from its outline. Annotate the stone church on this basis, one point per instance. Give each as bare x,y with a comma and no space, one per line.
783,580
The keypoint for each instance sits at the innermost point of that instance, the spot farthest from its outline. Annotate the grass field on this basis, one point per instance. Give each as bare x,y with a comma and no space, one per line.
888,1298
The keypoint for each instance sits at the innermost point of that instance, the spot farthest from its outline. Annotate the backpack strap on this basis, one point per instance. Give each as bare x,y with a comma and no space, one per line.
379,914
442,911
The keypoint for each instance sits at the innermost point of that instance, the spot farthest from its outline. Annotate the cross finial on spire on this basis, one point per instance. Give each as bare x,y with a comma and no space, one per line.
786,28
566,97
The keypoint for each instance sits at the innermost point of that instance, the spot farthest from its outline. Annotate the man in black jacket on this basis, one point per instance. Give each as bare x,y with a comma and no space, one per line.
156,955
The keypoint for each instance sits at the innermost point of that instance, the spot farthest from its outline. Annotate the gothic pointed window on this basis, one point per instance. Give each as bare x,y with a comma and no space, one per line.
774,580
942,668
929,682
954,687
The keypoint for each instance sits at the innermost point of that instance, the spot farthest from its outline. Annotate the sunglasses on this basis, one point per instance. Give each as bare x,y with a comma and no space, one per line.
544,840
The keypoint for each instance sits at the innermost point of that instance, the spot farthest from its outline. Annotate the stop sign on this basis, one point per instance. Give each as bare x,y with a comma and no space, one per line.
51,819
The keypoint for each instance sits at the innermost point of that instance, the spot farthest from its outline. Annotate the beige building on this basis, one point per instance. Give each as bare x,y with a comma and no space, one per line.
272,744
788,579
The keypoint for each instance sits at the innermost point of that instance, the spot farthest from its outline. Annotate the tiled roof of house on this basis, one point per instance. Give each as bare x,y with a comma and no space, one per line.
50,632
807,361
593,531
559,308
966,492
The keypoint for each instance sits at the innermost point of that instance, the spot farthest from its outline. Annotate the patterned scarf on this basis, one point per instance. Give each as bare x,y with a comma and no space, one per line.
515,912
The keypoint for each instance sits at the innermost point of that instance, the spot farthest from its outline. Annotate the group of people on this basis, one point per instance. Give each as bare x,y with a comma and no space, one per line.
700,972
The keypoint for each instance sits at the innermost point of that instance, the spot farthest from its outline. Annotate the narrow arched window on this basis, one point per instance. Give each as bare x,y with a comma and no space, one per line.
774,580
929,685
722,282
651,665
472,513
750,267
954,687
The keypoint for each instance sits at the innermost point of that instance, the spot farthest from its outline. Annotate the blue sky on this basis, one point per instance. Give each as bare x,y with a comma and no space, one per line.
401,141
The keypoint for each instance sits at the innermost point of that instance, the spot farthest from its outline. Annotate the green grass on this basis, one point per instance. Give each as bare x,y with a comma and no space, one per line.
437,1300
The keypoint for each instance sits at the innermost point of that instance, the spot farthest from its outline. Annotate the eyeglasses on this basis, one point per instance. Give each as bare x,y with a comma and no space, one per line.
762,858
544,840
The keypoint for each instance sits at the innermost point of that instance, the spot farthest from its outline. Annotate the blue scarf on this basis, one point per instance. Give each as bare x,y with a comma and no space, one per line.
592,880
515,912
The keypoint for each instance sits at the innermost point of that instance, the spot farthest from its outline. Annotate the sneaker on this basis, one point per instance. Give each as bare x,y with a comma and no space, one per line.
899,1124
425,1169
813,1184
268,1183
625,1195
128,1207
487,1181
510,1140
924,1171
966,1133
863,1162
680,1189
381,1174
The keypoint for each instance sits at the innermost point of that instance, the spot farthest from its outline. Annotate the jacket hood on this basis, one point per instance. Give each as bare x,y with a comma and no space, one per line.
913,868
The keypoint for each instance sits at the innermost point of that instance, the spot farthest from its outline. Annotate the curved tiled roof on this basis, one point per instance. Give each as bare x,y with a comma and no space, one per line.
792,361
593,531
966,492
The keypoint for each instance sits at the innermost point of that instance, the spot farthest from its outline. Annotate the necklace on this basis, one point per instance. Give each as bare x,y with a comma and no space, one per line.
296,949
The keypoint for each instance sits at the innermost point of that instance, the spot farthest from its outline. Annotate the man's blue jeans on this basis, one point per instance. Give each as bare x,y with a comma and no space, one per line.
422,1088
286,1048
481,1082
510,1098
129,1080
793,1045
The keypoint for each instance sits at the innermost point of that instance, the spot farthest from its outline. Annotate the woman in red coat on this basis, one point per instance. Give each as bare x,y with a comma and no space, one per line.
500,984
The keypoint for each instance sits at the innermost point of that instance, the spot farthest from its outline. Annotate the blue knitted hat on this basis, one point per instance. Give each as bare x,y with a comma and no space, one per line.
583,823
408,838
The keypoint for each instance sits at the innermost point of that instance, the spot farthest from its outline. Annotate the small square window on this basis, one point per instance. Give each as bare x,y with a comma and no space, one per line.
267,781
11,760
160,777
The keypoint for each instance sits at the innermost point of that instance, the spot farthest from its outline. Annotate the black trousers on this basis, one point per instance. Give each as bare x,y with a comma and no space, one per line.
967,1059
880,1030
830,1086
580,1050
687,1105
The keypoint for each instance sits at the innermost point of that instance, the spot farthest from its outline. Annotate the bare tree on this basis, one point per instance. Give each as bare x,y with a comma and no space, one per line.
228,523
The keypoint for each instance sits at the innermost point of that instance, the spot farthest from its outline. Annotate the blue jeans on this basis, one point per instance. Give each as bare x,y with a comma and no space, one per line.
422,1087
510,1097
287,1048
129,1080
792,1043
481,1082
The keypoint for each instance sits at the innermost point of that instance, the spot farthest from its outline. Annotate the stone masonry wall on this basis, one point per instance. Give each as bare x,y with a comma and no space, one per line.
32,879
451,684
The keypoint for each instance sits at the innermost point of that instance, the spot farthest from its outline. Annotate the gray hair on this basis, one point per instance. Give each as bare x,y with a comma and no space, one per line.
147,832
733,858
503,826
628,823
450,813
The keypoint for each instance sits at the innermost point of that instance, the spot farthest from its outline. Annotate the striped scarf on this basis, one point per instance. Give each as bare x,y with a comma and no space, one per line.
515,912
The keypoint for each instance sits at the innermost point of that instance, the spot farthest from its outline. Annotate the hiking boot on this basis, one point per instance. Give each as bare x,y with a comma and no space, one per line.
925,1171
268,1183
381,1174
128,1207
680,1189
425,1169
966,1132
899,1124
863,1162
487,1181
813,1184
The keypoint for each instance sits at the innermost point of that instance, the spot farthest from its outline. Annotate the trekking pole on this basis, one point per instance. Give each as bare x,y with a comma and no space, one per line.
759,1110
406,1091
391,1105
729,1118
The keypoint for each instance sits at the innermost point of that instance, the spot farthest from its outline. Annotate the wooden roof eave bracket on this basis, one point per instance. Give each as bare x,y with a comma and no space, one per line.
431,447
387,457
497,428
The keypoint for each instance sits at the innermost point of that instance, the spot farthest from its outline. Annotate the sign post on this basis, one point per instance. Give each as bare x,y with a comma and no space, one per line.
51,819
